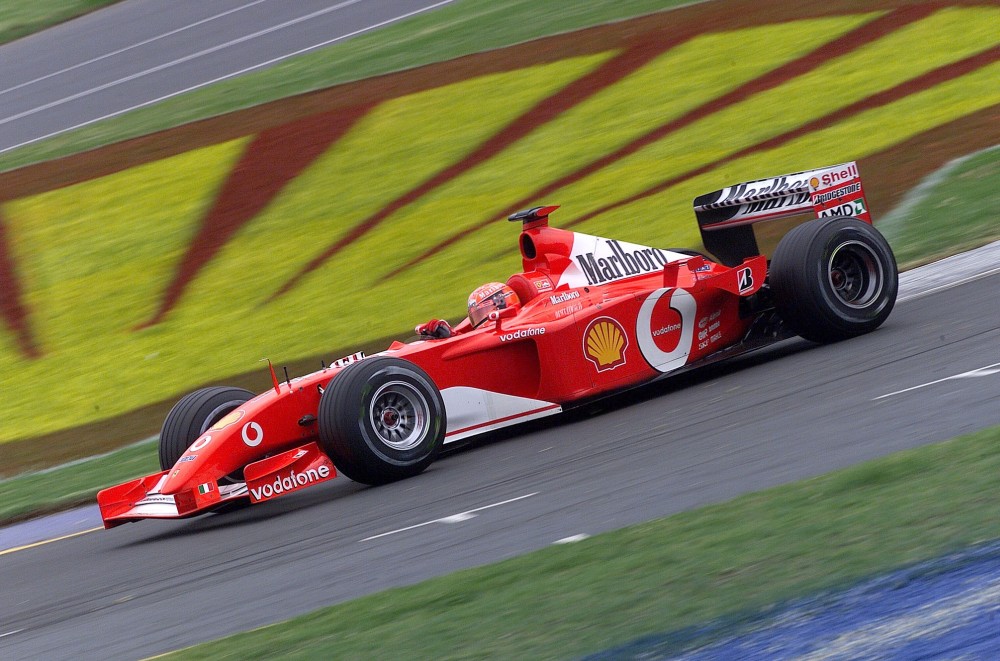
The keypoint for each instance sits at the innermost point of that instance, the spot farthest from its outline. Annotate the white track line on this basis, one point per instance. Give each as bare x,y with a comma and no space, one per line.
173,63
454,518
572,539
214,80
128,48
43,542
988,370
949,285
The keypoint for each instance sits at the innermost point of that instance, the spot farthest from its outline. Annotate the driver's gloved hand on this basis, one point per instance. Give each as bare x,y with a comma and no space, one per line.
435,328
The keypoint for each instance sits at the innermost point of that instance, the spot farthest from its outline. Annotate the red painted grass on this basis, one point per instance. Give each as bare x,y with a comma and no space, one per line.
579,90
12,307
860,36
272,160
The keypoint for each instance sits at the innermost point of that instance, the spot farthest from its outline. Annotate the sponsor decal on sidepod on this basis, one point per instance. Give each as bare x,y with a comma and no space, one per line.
228,419
618,263
555,299
520,334
252,434
604,343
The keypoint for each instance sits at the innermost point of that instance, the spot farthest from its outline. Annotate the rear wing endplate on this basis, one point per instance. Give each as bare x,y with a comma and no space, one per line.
724,216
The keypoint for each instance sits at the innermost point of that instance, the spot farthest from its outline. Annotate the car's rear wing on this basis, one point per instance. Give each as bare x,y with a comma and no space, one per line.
724,216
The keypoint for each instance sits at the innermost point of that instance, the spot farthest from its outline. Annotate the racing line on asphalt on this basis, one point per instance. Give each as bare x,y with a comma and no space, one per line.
988,370
187,58
190,88
144,42
48,541
454,518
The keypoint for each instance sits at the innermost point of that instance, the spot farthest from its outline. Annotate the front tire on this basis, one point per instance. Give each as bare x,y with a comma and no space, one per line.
833,278
381,419
192,416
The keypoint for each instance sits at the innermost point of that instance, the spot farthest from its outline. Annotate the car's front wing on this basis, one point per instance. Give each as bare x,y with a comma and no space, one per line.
268,478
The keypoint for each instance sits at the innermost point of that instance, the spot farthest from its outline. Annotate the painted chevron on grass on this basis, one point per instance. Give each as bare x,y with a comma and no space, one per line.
12,307
252,184
574,93
846,43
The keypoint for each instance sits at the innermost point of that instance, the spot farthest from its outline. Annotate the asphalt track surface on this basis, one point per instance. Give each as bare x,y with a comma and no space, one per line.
786,413
140,52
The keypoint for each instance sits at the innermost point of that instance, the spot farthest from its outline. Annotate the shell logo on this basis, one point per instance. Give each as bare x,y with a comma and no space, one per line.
229,419
604,343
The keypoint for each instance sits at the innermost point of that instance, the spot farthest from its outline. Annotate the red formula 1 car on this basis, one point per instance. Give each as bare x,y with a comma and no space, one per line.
588,316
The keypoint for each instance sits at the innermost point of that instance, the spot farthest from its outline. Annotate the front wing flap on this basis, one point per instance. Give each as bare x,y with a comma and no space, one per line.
141,499
268,478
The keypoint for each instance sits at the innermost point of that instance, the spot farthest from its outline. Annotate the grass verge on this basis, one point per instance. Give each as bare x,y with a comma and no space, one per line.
19,18
955,209
725,560
73,484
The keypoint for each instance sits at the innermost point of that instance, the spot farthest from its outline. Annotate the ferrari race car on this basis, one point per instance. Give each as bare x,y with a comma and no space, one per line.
586,317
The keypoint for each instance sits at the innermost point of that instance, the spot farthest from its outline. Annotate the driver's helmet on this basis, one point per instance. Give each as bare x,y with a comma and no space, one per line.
489,297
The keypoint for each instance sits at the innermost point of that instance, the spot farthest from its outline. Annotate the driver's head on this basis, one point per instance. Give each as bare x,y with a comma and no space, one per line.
489,297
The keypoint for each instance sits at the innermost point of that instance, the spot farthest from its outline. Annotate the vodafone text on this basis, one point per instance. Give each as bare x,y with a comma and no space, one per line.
519,334
290,482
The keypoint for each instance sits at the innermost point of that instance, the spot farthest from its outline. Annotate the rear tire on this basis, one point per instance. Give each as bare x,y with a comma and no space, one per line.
833,278
192,416
381,419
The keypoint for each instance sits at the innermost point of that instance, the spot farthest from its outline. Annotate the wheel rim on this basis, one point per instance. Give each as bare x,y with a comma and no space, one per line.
855,274
399,415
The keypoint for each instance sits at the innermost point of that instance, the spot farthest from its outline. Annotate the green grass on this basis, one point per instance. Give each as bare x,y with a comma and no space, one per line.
724,560
956,209
462,28
96,256
73,484
19,18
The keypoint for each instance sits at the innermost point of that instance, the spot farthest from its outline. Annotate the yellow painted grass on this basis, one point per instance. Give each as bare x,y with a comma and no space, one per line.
898,57
398,146
674,83
864,134
96,257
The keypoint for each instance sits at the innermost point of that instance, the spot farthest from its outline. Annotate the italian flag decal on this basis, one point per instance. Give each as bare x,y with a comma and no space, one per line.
205,488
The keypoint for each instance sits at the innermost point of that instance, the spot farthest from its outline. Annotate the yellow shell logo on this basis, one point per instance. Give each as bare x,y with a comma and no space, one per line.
228,420
814,182
605,343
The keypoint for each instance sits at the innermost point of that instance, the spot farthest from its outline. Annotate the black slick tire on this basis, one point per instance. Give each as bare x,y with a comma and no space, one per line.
381,419
192,416
833,278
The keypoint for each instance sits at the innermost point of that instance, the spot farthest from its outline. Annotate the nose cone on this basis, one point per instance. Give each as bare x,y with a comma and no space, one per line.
206,460
179,477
